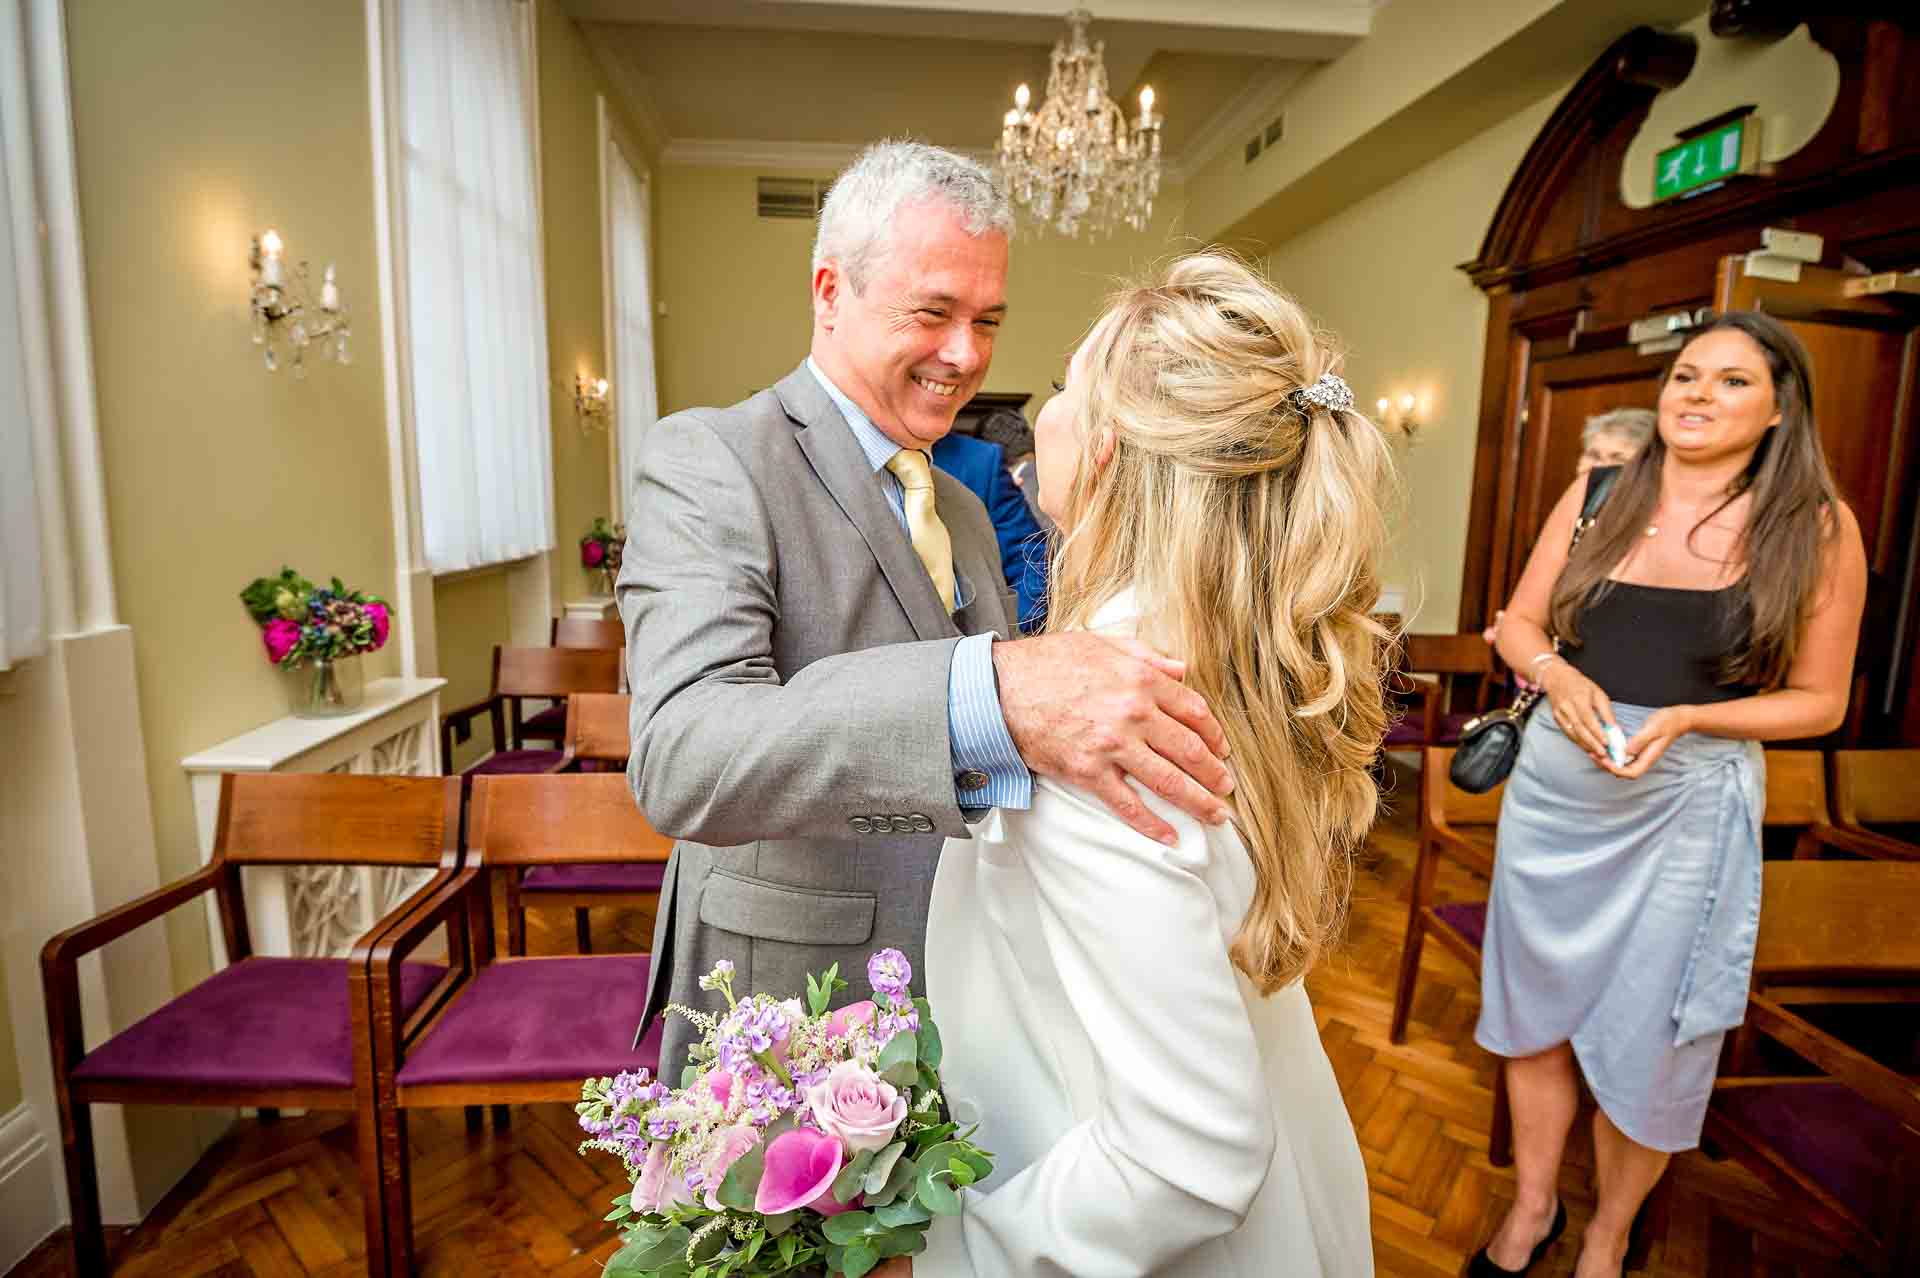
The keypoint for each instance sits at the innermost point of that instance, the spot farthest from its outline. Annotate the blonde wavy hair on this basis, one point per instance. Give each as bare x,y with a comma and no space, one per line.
1252,532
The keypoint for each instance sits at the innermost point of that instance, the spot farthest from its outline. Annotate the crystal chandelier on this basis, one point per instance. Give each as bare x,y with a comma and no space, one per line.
1077,159
284,308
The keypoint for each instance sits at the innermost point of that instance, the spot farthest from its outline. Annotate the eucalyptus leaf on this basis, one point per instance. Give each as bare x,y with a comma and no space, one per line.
934,1194
905,1212
743,1180
899,1181
929,1035
848,1227
962,1174
710,1246
908,1241
978,1160
662,1249
846,1186
780,1224
929,1136
859,1260
882,1166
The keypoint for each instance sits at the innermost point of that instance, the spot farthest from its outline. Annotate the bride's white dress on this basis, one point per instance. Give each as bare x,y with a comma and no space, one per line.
1149,1111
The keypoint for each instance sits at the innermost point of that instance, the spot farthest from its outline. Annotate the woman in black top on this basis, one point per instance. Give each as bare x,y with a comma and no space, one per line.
1715,603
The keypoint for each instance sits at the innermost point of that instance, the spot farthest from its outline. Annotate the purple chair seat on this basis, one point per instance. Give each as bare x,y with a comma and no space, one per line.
632,876
548,725
1826,1130
503,762
1468,918
261,1022
534,1020
1409,732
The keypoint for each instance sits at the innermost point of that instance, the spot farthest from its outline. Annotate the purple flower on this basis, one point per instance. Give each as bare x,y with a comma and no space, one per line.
280,636
889,973
381,621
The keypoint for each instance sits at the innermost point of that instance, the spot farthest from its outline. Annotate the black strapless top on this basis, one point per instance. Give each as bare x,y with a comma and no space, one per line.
1656,646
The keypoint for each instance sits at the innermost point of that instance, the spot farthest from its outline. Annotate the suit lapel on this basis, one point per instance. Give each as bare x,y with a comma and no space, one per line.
828,442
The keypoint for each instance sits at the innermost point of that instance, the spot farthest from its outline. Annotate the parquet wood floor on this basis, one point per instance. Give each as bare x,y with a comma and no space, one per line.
281,1200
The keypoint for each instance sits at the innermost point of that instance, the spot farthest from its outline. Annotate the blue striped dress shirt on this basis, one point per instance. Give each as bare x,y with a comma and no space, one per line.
976,728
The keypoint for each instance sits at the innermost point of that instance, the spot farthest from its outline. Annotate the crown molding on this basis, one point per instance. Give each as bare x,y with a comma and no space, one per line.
1250,108
746,153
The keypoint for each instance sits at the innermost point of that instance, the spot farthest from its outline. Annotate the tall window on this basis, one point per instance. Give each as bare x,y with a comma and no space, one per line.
23,351
636,399
476,306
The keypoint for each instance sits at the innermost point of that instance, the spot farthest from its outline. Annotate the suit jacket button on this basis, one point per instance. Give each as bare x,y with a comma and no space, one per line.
972,779
922,824
861,825
881,825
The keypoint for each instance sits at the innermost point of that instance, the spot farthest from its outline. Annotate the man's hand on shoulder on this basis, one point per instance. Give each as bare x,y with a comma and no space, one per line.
1092,711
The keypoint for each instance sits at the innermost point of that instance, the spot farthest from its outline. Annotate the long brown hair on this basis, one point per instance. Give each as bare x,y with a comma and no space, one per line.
1786,531
1250,523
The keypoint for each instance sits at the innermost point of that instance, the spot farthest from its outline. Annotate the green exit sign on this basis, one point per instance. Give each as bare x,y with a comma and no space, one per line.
1707,159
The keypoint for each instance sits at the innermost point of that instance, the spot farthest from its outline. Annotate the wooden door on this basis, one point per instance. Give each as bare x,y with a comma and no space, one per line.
1865,349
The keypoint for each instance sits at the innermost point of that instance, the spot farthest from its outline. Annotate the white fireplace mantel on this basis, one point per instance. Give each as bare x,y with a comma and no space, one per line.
323,909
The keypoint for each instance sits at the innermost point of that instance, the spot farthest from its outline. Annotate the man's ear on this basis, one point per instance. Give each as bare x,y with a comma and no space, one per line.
826,295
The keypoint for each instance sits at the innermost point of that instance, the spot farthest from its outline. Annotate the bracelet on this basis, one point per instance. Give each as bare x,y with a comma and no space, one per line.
1534,665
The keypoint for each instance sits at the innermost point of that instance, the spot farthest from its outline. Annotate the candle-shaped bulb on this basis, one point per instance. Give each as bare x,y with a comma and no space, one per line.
270,243
1383,405
600,388
270,248
1022,96
1407,402
1012,117
329,291
1146,101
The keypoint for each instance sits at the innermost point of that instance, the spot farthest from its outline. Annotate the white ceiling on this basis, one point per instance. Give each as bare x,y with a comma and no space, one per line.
756,81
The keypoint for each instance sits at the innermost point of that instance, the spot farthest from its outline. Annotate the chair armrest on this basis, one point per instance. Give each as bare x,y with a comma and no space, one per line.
376,957
66,947
457,725
1887,1088
1845,838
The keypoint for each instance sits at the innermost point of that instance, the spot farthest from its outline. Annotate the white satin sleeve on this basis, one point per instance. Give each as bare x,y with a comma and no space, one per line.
1182,1140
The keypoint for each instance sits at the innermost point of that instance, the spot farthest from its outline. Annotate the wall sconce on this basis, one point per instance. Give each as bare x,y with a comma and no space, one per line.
1404,413
283,308
590,401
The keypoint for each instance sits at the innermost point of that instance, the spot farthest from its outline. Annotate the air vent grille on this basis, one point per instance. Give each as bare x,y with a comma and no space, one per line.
790,197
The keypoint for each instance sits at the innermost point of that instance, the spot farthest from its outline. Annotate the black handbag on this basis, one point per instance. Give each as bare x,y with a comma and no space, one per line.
1490,744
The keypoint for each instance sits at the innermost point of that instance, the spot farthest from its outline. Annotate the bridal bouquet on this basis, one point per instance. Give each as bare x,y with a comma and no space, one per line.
802,1140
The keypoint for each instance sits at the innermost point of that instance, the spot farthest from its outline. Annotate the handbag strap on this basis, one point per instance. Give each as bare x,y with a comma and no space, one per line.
1600,482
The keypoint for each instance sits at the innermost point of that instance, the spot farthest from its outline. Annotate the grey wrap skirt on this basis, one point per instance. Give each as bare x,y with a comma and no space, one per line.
1623,919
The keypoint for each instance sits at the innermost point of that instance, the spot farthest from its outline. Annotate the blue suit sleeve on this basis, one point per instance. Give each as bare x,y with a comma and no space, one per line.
1023,546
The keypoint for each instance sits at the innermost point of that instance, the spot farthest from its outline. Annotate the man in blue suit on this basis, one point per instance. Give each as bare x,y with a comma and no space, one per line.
982,467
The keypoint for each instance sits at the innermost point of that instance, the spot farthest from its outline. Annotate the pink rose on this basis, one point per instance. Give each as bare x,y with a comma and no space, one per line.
593,553
719,1085
800,1168
842,1022
382,623
279,635
730,1146
854,1105
658,1188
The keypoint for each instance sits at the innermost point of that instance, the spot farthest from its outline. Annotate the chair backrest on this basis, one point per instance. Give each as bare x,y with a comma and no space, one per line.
293,818
1796,788
1839,919
560,819
587,632
1446,654
597,727
555,672
1876,787
1447,802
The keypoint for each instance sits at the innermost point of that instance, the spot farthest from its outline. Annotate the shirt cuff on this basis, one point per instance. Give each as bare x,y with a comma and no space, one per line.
987,772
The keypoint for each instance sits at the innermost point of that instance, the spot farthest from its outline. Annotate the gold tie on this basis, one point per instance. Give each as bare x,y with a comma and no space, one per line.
930,540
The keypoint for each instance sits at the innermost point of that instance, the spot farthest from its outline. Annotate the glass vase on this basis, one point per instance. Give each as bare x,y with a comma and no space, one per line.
324,687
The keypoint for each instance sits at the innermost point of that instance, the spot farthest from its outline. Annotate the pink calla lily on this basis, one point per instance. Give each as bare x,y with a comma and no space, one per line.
800,1168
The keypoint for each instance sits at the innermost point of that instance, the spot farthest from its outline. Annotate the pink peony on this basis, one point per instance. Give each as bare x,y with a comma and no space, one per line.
800,1168
279,636
841,1023
855,1106
593,553
731,1144
382,623
658,1188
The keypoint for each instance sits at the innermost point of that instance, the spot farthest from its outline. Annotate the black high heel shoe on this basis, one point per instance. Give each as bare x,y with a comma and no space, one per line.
1482,1266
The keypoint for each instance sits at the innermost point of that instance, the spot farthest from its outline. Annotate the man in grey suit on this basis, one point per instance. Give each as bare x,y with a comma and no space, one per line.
816,623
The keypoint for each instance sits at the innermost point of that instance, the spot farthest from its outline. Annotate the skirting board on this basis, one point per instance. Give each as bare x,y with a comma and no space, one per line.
29,1196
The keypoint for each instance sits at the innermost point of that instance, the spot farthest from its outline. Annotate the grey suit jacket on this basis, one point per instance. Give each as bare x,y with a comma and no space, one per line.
788,659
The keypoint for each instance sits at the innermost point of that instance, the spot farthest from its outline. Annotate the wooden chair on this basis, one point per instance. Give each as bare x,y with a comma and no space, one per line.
262,1031
519,673
550,724
1425,688
516,1030
1876,803
1841,1146
596,740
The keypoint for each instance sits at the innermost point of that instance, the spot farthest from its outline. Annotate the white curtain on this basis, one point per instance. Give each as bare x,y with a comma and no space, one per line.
476,304
635,397
22,610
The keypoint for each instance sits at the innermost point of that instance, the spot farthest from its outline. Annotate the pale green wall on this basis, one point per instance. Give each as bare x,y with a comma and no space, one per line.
735,285
198,125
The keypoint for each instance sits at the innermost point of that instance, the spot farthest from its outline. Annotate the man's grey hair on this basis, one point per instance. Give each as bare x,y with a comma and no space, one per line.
857,218
1632,424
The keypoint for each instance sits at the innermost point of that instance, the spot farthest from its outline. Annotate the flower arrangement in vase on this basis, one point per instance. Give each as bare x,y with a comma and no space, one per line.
310,632
601,548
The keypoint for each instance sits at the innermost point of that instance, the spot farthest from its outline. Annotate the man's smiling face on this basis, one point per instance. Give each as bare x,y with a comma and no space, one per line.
915,345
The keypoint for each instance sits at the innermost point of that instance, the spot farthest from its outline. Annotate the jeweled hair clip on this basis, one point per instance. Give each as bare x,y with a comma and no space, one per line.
1329,391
